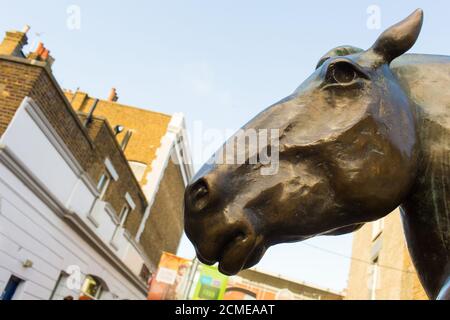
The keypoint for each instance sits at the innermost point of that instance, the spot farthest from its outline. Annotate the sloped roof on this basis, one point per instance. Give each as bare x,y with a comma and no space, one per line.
147,127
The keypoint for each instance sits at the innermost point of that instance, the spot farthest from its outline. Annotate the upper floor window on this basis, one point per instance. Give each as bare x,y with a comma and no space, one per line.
103,183
128,207
124,215
122,220
377,228
374,278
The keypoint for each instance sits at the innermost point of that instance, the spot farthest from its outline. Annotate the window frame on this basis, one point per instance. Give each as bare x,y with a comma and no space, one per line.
103,183
18,284
122,218
377,228
124,213
375,275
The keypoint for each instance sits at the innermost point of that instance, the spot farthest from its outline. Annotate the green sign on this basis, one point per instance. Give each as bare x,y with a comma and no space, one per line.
211,284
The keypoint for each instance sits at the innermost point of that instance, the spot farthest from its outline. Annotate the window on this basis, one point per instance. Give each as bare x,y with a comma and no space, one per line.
122,219
103,184
11,288
145,273
91,289
124,215
374,278
62,288
377,228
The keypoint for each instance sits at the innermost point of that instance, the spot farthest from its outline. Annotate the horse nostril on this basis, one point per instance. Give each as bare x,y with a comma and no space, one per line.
199,194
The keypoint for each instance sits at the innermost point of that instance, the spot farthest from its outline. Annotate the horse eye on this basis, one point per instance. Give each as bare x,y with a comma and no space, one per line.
343,73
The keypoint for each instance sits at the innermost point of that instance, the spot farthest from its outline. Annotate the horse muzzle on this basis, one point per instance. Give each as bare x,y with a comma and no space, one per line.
230,241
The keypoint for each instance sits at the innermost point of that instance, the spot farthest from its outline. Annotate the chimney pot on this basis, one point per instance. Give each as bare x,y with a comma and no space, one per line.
42,54
40,48
113,95
26,28
45,54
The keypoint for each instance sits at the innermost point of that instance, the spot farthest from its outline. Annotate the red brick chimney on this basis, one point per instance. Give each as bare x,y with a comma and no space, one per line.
113,97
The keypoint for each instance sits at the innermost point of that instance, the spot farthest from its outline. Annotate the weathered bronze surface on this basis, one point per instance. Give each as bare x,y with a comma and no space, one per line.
367,132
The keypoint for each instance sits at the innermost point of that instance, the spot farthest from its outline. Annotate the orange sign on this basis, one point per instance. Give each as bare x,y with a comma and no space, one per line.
169,282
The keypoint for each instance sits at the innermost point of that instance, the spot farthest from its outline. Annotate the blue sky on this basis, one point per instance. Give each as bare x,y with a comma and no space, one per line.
218,62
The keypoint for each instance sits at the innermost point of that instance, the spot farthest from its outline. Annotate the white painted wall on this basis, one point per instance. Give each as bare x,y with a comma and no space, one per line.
30,226
30,230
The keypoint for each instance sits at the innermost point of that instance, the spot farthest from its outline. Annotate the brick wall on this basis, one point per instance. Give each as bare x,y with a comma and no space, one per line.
397,276
20,78
164,228
413,287
165,225
16,82
148,127
357,287
106,147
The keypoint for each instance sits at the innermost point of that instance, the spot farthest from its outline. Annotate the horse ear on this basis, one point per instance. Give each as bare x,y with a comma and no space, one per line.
399,38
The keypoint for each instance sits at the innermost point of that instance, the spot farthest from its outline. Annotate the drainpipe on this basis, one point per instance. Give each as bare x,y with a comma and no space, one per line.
91,113
126,140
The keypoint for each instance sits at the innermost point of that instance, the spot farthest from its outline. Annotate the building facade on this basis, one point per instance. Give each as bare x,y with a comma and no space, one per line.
256,285
381,267
75,215
156,148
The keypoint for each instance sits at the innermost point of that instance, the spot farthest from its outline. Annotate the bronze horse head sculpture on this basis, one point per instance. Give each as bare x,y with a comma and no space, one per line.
367,132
